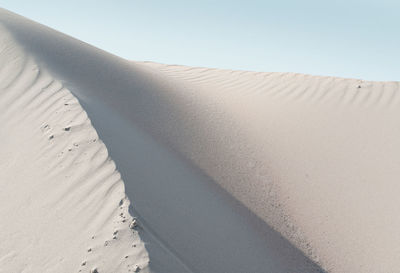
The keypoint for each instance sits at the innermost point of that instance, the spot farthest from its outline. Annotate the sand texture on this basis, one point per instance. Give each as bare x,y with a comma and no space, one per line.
227,171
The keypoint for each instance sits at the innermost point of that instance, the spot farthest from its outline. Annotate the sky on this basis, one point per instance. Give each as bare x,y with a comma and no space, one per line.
346,38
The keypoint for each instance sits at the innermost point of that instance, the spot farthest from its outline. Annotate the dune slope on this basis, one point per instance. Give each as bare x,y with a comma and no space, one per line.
234,171
189,223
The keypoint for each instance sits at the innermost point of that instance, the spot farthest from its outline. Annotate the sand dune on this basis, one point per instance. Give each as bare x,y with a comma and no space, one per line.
227,171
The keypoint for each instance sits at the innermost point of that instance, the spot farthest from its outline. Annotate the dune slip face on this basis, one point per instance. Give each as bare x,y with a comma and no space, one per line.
63,205
228,171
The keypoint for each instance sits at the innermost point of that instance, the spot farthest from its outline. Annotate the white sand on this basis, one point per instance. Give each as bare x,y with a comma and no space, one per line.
218,164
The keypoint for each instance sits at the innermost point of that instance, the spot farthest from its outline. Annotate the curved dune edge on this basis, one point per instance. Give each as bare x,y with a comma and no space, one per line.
314,157
189,224
63,204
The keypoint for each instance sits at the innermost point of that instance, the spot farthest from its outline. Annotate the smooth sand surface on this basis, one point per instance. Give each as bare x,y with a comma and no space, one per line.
227,171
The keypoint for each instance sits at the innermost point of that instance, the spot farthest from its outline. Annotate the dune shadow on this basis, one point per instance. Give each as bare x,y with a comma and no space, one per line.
185,217
189,223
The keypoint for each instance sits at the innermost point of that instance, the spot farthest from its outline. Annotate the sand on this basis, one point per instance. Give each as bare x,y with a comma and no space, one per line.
227,171
63,204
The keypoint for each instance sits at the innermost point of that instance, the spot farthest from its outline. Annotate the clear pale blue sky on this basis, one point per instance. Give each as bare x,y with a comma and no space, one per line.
348,38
